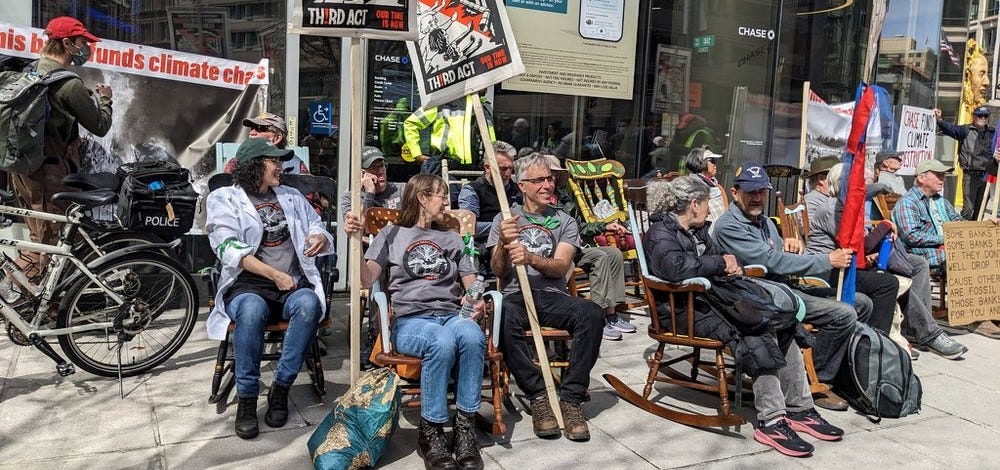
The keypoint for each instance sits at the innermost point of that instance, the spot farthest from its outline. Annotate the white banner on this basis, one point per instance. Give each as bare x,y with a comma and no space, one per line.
464,47
376,19
917,127
123,57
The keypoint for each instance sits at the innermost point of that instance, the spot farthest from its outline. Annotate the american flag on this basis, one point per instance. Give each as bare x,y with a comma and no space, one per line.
946,47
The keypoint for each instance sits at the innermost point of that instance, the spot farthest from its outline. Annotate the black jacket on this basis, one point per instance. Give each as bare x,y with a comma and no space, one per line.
672,256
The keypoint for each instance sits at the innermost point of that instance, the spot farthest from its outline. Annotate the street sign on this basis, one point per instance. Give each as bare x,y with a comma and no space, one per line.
321,118
704,43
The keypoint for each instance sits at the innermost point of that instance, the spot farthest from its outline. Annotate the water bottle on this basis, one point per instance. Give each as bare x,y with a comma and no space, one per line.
884,252
474,293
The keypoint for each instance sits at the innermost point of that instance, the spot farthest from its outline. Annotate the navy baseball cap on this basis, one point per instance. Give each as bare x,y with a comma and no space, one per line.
752,177
982,111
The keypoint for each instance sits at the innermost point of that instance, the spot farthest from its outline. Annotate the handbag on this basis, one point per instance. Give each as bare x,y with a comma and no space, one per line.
356,432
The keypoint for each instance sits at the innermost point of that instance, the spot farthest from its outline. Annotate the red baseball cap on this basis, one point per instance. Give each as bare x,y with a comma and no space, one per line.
68,27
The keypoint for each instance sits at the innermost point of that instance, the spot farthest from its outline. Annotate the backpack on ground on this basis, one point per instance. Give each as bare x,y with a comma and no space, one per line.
156,196
24,110
877,377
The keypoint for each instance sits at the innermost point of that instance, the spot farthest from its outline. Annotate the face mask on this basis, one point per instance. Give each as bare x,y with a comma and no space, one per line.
81,56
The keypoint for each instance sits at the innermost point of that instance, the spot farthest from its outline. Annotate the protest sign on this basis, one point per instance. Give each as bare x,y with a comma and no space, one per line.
916,137
168,105
463,47
376,19
973,271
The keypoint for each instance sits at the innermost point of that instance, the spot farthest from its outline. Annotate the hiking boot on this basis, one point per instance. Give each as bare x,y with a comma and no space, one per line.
543,420
830,401
617,322
946,347
433,447
246,418
783,438
465,442
810,422
610,333
277,406
576,425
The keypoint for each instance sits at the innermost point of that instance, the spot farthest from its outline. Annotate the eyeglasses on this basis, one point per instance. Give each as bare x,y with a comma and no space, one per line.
506,169
540,179
440,195
262,129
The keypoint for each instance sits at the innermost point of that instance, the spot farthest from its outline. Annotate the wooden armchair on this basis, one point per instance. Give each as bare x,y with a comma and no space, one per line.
660,370
408,367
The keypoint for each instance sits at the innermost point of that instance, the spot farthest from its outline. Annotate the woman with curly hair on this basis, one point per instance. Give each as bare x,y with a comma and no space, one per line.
266,237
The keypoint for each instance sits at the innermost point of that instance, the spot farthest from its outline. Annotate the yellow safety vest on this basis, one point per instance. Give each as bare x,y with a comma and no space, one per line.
451,134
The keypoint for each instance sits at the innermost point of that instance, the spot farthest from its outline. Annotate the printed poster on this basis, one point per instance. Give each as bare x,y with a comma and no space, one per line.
464,46
377,19
584,48
673,75
917,127
204,31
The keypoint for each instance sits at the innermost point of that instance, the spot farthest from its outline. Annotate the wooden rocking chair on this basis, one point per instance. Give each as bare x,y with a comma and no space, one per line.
663,370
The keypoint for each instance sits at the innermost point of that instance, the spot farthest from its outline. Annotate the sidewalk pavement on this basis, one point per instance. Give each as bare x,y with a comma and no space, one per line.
165,420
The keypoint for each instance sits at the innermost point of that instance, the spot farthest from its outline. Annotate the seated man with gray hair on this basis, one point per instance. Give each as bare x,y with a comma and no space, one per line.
480,198
544,240
679,247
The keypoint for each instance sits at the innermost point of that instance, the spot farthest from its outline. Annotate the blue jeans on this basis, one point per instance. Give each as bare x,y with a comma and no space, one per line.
446,343
250,313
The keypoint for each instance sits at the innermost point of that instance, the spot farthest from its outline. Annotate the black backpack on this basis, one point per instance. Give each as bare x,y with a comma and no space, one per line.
877,378
754,305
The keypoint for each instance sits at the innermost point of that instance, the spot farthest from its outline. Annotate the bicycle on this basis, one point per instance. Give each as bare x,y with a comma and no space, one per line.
133,299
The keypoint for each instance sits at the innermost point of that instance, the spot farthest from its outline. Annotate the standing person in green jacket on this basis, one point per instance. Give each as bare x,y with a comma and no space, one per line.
605,265
454,134
72,104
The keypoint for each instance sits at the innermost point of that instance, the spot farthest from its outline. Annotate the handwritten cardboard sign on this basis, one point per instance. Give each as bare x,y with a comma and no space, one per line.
973,265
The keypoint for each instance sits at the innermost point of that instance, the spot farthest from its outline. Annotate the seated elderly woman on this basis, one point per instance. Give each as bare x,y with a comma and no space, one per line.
428,271
679,247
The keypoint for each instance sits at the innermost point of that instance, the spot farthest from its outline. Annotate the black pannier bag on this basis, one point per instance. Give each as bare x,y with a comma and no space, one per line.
156,196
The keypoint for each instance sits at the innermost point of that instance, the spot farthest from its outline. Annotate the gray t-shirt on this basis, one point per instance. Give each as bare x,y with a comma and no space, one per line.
276,247
391,198
424,267
539,238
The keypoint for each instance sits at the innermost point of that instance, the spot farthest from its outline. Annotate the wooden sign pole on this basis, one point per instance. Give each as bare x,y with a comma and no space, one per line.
520,270
354,248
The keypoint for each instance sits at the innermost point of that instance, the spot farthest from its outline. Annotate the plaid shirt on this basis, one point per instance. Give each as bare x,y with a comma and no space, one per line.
917,230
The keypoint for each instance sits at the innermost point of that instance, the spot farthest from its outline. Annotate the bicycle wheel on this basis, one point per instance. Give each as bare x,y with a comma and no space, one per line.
159,312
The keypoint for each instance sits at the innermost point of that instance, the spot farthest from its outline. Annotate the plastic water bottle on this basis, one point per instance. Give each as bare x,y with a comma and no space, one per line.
474,293
884,252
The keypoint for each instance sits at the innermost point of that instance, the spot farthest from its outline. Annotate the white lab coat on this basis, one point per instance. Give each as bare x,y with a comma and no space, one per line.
235,230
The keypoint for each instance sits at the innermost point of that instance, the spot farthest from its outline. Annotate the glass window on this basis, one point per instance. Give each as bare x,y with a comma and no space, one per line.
319,82
955,13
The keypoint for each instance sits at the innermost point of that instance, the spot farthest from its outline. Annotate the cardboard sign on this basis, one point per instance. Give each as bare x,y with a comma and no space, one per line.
916,137
376,19
973,266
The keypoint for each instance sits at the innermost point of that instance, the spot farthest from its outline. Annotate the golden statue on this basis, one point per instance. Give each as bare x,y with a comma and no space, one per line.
976,83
